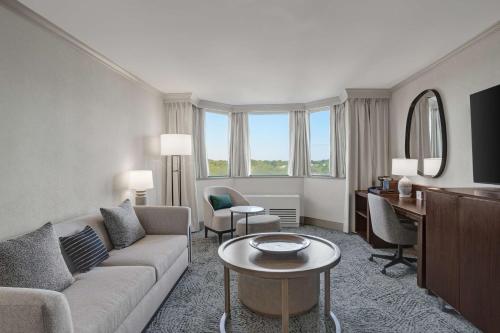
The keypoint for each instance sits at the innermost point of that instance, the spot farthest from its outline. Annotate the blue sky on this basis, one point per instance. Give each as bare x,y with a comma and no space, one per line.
269,136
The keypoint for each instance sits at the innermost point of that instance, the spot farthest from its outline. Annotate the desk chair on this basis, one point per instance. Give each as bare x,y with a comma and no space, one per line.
387,225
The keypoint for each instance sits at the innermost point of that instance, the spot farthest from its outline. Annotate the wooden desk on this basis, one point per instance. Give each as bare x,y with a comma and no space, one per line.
409,208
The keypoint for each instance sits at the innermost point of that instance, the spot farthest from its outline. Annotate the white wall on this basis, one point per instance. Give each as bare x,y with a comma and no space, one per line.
324,199
475,68
321,198
69,129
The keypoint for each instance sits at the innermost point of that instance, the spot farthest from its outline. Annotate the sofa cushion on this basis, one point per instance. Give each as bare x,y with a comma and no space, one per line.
157,251
34,260
102,298
85,249
122,224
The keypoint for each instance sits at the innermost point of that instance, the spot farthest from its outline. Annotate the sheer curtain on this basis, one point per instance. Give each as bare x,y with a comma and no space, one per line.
200,153
239,147
338,137
436,137
180,120
300,158
367,140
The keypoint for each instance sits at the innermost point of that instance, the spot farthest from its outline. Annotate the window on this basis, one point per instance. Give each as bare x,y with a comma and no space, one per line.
319,124
217,143
269,143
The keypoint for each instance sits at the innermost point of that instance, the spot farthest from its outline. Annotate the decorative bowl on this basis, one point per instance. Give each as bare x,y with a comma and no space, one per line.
280,243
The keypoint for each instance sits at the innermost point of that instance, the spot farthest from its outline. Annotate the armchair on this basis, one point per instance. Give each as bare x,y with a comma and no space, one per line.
219,221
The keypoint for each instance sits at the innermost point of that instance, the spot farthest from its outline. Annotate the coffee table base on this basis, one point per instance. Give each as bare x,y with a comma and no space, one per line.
284,303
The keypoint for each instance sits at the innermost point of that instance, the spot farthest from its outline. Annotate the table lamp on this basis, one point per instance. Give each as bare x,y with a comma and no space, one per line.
432,166
404,167
140,181
176,145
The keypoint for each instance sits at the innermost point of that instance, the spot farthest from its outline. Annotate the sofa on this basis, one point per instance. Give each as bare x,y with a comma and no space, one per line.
121,294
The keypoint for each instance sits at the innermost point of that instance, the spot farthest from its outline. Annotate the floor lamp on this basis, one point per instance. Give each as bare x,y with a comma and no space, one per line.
176,146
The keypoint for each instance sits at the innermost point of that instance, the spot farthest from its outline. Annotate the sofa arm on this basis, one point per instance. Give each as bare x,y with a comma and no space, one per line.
164,220
34,310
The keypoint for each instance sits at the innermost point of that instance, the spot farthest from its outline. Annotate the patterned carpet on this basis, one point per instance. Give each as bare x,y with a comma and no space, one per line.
363,299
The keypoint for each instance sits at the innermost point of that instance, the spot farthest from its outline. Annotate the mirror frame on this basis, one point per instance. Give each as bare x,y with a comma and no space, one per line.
443,130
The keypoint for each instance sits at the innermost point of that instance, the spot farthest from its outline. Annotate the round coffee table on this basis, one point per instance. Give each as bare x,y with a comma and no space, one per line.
319,257
244,210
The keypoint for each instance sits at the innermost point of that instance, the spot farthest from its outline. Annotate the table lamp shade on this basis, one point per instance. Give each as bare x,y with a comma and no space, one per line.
404,166
432,166
140,180
175,144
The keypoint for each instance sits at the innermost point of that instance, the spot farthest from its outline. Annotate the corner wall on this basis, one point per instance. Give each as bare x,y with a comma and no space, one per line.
475,68
321,198
70,128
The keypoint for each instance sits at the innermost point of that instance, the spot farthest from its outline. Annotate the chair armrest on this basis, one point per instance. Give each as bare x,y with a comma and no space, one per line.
34,310
164,220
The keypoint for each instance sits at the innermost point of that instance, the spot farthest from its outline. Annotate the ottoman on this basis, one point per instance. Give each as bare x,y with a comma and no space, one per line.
257,224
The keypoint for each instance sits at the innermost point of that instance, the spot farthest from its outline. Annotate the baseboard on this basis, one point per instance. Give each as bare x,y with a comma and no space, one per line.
322,223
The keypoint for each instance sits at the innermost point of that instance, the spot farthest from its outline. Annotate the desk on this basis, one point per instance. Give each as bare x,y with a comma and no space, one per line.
409,208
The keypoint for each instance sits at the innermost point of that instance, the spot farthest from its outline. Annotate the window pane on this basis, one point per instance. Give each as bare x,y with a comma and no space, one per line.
217,143
319,123
269,144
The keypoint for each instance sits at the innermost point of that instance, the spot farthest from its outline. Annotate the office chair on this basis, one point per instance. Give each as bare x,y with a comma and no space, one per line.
387,225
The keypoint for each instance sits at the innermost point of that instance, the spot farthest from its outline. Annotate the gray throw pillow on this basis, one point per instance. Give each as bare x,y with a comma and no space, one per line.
122,224
34,260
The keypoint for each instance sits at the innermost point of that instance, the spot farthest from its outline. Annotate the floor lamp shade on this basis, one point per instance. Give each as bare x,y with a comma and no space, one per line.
176,144
140,181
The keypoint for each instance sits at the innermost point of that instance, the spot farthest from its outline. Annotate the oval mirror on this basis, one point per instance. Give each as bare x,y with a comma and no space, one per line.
426,133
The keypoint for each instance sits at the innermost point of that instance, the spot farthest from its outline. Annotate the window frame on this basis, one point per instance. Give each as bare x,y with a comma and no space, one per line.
269,113
226,114
330,166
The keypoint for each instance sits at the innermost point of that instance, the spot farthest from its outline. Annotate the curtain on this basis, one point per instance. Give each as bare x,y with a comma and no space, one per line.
180,120
436,136
419,132
300,158
239,148
367,142
338,138
200,153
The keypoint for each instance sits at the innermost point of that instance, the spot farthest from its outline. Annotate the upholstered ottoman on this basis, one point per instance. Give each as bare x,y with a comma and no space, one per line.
257,224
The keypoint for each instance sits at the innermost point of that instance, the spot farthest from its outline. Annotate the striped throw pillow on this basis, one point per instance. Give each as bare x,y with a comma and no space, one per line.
85,249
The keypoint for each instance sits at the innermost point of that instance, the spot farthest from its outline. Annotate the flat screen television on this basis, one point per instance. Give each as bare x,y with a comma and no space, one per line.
485,123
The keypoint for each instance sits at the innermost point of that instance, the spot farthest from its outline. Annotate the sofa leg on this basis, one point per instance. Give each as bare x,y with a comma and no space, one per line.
206,232
220,238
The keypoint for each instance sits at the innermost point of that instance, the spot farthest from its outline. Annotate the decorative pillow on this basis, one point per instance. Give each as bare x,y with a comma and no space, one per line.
221,201
85,249
122,224
34,260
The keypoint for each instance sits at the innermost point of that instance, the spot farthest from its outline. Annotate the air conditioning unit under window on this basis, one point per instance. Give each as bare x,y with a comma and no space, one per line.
286,206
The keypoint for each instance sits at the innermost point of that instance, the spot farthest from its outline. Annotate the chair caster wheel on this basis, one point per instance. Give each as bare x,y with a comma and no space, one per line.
371,258
383,271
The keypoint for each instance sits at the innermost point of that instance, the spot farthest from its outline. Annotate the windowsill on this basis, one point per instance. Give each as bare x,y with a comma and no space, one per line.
269,176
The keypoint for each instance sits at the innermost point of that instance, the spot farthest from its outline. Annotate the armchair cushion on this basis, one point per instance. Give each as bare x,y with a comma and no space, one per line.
221,201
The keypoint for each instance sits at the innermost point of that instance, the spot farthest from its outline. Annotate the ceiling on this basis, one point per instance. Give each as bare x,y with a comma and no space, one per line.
274,51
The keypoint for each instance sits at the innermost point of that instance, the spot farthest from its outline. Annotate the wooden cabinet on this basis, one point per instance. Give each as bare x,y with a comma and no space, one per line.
478,220
463,252
442,246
